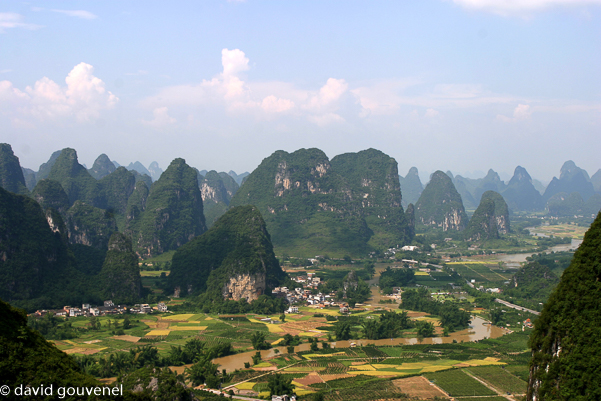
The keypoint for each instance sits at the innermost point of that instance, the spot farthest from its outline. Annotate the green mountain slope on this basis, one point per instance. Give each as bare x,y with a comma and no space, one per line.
120,275
313,206
440,205
11,174
233,260
172,213
520,193
102,167
411,186
74,178
566,350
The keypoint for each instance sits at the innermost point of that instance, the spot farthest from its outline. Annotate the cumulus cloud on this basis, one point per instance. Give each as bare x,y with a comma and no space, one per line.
14,20
83,97
273,104
77,13
161,118
329,93
520,7
521,112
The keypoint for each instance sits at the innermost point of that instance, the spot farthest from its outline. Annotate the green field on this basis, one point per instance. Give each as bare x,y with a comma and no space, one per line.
458,383
500,378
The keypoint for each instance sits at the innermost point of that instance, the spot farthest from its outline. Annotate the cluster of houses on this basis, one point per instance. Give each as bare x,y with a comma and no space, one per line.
109,308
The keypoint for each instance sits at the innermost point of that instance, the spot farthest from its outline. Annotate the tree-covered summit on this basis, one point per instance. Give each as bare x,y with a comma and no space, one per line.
349,205
440,205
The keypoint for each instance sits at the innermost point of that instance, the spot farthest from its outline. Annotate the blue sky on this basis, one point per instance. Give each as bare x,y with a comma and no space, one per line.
460,85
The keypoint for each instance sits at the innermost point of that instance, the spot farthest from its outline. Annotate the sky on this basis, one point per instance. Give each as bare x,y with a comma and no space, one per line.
459,85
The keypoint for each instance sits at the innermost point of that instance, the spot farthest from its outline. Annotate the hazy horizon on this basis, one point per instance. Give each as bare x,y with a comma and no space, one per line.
459,85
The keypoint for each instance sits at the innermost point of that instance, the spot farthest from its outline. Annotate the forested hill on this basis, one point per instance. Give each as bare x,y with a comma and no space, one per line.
313,206
566,362
233,260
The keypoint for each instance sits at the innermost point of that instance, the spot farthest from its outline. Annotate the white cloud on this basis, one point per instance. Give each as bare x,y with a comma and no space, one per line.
521,112
84,97
161,118
77,13
329,93
273,104
431,113
326,119
14,20
520,7
234,62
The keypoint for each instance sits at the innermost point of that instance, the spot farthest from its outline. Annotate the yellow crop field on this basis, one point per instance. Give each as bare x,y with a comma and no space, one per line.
245,385
421,274
373,373
182,328
158,333
274,328
181,317
303,392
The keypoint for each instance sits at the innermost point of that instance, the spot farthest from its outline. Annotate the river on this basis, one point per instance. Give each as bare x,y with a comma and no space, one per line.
521,257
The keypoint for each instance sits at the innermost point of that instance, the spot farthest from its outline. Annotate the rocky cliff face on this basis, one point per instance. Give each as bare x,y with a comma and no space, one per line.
247,286
234,259
440,205
89,225
566,356
520,193
344,206
217,190
11,174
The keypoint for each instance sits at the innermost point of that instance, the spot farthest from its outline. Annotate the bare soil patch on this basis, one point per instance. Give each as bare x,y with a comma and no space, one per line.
131,339
419,387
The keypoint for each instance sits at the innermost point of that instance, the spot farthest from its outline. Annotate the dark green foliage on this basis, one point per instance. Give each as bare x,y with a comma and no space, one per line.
102,167
440,205
27,359
451,317
520,193
566,361
237,244
90,225
314,206
136,204
50,193
89,259
35,267
120,275
388,326
395,278
45,168
343,330
258,340
424,329
533,281
74,178
483,224
173,212
280,385
115,190
11,174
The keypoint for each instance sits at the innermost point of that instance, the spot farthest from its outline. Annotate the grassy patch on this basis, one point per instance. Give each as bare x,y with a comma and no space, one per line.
458,383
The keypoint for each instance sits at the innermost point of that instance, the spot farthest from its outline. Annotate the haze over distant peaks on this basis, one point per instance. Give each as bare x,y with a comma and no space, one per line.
102,167
411,187
571,179
520,194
